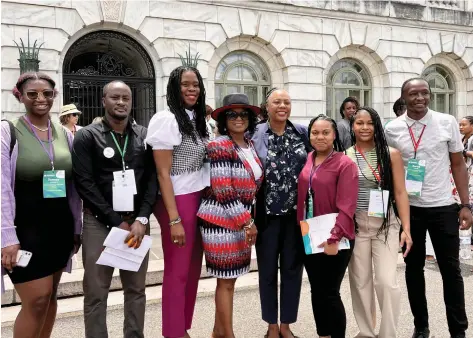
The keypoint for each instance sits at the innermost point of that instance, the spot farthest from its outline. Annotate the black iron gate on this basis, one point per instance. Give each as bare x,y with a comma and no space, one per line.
99,58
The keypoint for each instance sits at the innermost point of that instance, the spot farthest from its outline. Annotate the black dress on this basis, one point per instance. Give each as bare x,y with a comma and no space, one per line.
44,226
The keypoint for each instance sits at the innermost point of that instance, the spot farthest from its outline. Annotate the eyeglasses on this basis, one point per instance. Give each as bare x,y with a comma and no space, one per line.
233,115
75,114
48,94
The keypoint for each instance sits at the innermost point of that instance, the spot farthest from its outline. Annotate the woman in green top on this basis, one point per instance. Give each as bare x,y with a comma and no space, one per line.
41,211
381,183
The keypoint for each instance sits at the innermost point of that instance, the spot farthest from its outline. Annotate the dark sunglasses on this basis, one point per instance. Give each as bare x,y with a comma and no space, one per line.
47,94
75,114
233,115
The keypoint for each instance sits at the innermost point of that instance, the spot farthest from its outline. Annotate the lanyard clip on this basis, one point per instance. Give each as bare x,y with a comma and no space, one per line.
52,165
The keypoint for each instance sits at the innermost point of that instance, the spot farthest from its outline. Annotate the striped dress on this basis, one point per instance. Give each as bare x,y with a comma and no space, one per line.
226,207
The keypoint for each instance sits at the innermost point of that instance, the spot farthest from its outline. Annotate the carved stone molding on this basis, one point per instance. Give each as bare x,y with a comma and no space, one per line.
112,9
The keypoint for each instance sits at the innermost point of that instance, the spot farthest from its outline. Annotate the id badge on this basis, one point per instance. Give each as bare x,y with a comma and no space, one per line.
206,173
127,178
54,184
378,205
123,196
415,174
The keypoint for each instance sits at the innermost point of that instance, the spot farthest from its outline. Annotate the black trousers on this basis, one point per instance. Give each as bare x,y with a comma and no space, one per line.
443,226
325,277
280,240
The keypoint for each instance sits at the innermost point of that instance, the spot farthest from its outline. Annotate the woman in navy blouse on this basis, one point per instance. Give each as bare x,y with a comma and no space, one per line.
282,149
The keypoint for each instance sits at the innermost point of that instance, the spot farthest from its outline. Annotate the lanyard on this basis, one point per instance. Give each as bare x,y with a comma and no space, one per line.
375,174
414,142
50,153
315,168
120,150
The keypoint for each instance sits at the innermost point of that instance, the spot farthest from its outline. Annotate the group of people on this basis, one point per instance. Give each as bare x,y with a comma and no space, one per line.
253,184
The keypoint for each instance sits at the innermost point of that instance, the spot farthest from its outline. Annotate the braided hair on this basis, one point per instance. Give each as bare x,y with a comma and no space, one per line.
383,162
25,77
176,104
337,143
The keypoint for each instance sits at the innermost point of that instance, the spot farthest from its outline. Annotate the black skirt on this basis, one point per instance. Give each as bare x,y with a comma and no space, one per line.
45,227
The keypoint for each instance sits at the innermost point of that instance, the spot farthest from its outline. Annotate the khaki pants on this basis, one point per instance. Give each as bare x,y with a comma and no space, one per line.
371,251
97,280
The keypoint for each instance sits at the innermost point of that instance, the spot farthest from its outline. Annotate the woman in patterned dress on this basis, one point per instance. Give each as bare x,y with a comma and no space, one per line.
228,229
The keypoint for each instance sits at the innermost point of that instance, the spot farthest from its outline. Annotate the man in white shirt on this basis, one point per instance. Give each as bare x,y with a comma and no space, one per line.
430,143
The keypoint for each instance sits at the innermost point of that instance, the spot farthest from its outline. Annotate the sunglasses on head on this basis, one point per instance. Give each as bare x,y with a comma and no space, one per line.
233,115
47,94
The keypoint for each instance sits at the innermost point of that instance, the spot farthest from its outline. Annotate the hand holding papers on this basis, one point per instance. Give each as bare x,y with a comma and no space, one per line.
117,254
316,231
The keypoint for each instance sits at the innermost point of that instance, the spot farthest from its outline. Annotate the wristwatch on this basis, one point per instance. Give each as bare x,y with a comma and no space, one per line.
466,205
142,220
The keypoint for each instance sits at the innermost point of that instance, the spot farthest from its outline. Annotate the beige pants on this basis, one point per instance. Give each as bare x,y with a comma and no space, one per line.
373,251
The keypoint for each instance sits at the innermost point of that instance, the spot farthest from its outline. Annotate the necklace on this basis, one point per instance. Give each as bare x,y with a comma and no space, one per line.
40,129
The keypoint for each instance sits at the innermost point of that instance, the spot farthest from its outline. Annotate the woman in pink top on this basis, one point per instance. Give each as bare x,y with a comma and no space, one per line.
330,181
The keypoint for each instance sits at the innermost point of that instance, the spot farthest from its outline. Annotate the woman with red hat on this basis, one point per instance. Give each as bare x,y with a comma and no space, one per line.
228,228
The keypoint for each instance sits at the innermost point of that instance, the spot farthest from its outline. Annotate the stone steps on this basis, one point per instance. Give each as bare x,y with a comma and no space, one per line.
71,284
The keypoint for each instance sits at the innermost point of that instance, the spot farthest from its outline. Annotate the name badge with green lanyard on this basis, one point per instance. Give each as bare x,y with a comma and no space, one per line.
124,183
54,181
415,172
378,202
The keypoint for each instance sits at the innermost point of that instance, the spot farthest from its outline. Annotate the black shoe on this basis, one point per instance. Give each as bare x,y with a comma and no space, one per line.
423,333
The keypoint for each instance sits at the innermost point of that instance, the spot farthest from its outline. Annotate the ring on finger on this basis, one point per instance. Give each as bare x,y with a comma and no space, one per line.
175,241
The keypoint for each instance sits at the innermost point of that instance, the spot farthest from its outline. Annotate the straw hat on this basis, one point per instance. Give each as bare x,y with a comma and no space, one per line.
69,109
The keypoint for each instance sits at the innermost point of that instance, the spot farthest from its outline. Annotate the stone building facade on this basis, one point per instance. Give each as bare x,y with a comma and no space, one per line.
319,50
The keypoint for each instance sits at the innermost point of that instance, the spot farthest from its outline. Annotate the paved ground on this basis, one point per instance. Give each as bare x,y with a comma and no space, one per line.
247,313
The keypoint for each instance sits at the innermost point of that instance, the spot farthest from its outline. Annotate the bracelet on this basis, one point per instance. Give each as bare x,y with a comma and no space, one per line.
176,221
466,205
250,225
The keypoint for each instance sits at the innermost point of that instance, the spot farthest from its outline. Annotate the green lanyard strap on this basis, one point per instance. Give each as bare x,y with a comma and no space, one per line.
122,152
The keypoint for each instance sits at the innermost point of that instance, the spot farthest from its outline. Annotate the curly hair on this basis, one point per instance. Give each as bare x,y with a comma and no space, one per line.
25,77
222,122
384,162
348,99
64,119
337,143
176,104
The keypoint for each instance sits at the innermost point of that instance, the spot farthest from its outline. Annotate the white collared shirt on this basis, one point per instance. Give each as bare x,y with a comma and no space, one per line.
441,137
164,134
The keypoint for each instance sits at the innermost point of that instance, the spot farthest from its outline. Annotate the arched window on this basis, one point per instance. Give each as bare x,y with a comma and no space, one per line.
443,90
347,78
242,72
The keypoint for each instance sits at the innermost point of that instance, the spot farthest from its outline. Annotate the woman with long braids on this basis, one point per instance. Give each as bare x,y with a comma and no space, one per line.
178,137
330,174
380,170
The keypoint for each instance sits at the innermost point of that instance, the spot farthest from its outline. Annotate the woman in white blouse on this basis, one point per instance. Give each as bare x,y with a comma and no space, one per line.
178,137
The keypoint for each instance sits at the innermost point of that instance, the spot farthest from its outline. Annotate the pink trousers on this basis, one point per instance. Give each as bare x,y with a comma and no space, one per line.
182,266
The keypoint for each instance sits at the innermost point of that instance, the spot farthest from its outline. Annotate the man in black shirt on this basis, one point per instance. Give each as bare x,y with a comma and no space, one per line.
115,175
